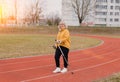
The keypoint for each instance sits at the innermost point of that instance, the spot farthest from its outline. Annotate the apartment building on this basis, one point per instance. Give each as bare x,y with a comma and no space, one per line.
105,13
68,14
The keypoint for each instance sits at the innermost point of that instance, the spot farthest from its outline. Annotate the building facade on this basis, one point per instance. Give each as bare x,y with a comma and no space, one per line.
105,13
68,14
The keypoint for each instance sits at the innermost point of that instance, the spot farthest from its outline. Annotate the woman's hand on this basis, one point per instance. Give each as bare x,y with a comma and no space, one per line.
54,46
58,41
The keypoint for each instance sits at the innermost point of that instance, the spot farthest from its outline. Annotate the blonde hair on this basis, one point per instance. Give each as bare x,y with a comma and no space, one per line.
63,23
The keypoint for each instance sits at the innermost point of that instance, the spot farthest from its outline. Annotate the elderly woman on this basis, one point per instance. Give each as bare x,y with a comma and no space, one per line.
62,47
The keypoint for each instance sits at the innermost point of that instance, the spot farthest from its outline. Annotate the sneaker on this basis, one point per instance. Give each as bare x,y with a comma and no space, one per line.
57,70
64,70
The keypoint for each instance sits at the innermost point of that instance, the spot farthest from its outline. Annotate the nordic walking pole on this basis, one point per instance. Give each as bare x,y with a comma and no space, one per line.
63,54
65,58
58,44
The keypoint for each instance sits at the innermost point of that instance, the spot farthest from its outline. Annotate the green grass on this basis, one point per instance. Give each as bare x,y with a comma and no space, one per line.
19,45
103,31
83,42
96,30
112,78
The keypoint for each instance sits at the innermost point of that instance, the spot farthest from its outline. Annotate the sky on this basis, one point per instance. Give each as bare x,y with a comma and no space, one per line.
49,6
54,5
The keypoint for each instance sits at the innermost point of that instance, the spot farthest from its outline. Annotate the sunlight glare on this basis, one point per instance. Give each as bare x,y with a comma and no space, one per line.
0,11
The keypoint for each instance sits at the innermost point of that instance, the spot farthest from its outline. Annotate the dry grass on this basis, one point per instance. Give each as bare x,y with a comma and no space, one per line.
18,45
112,78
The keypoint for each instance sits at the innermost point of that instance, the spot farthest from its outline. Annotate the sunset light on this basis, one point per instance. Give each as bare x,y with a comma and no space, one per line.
0,11
7,11
15,11
0,14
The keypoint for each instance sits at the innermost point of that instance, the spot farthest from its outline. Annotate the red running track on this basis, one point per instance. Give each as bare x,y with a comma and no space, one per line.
87,65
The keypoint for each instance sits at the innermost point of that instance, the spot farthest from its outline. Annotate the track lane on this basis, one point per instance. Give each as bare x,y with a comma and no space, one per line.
86,60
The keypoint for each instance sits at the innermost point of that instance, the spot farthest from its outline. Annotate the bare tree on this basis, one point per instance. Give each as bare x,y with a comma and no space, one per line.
53,19
33,14
1,14
15,5
82,8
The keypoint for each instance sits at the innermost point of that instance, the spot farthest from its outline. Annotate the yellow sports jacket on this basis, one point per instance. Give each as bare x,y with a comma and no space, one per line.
64,37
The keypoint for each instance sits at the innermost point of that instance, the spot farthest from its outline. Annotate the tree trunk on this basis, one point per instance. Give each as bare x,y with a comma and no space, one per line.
80,19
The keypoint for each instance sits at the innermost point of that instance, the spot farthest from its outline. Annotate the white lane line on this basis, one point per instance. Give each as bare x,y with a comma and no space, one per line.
102,42
27,68
82,69
105,54
22,62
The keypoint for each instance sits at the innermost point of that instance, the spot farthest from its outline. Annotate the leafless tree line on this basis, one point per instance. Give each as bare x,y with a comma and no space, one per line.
34,15
53,19
83,8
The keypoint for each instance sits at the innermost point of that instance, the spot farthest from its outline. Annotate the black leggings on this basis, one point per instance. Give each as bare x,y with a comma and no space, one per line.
58,54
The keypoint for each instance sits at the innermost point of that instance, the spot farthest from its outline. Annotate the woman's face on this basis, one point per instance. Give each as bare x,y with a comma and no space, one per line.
61,26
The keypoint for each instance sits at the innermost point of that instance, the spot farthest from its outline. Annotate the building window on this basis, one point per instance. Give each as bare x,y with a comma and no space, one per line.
101,1
112,1
101,13
111,7
116,20
101,6
116,13
111,13
102,19
117,1
117,7
111,20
